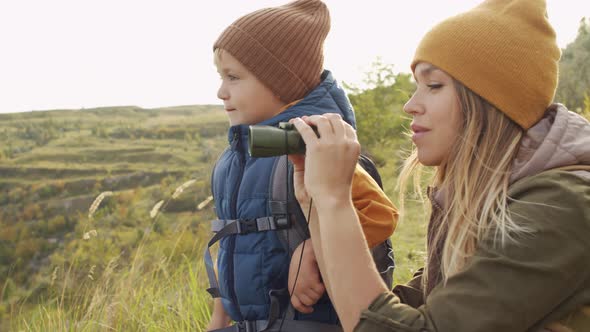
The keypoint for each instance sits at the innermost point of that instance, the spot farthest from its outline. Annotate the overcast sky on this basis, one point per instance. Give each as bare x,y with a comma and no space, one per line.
81,53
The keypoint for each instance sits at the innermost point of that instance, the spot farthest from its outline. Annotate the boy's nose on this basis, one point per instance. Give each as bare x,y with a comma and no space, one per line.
222,93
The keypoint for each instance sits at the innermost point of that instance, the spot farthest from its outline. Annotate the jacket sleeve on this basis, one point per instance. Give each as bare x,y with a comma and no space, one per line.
377,215
527,283
411,293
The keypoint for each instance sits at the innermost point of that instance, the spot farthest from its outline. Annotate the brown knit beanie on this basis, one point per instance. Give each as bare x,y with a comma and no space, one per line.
282,46
503,50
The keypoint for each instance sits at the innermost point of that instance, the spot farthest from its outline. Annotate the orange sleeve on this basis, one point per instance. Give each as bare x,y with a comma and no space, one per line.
377,214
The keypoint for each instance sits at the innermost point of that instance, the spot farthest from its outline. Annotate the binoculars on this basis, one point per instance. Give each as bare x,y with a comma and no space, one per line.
269,141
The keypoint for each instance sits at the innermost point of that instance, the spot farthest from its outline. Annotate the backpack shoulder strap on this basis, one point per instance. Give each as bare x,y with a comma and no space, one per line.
368,165
283,204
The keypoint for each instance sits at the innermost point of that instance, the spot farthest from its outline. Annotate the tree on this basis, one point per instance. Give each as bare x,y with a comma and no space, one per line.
379,109
574,70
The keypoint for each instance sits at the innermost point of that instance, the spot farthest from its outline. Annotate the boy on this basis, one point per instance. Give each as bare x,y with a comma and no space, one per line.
271,67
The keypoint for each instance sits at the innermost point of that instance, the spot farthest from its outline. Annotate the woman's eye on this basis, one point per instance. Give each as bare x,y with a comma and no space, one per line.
434,86
232,77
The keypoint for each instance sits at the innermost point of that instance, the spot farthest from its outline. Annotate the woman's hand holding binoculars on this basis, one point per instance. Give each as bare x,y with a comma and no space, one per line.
325,172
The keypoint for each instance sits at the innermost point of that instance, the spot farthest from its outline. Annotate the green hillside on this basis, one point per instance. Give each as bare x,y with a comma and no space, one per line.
53,164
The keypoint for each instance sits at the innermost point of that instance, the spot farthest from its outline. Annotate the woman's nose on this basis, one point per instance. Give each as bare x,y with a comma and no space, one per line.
412,106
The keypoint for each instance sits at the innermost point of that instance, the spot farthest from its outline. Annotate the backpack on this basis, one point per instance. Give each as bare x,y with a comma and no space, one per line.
290,223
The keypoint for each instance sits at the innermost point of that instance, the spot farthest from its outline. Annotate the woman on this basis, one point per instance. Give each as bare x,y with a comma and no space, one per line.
509,236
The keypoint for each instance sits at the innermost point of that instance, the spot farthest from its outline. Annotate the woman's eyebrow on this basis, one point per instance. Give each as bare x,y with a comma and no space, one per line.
426,71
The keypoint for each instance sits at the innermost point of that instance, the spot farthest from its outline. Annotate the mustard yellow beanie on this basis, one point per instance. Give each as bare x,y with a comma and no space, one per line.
503,50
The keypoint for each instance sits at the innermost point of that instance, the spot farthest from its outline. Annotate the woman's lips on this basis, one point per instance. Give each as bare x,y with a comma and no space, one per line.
419,131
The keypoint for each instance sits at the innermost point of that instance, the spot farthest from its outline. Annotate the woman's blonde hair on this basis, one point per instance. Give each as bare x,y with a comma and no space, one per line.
474,180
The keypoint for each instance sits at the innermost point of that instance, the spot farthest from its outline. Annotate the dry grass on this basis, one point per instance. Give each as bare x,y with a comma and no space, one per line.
167,295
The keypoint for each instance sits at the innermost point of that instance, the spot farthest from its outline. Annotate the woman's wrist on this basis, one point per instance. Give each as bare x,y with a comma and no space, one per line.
330,203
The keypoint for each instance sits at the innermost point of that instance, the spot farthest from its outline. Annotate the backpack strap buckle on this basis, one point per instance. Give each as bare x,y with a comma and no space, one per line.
283,221
246,226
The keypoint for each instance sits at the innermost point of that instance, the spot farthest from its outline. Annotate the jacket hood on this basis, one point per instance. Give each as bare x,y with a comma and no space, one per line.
560,138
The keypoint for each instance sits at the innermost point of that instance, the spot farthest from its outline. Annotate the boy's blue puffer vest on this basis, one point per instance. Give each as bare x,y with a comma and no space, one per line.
250,265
